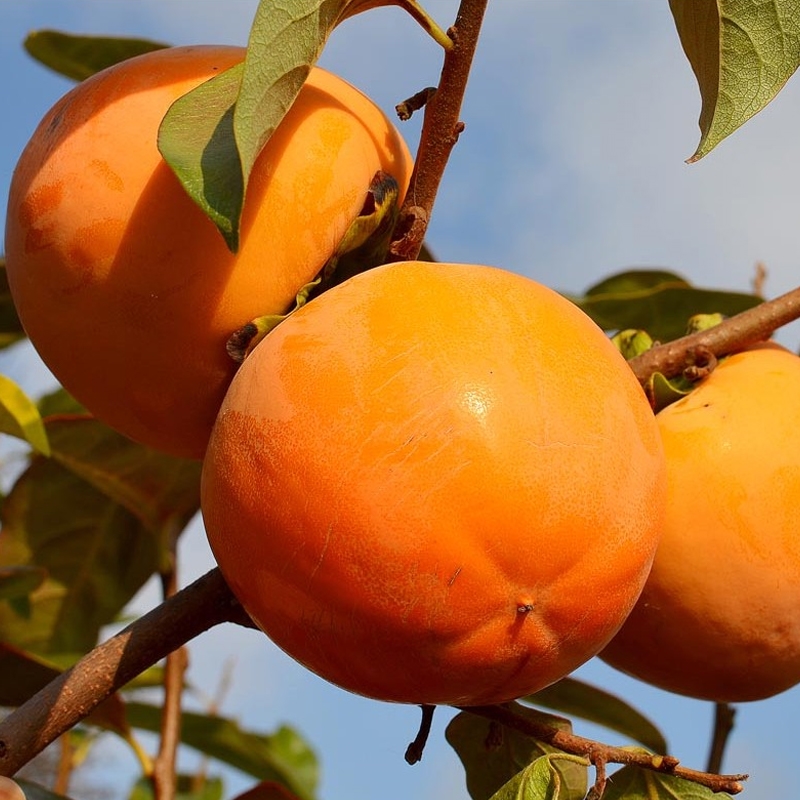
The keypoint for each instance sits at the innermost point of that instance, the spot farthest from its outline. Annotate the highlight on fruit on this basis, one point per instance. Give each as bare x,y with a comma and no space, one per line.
436,483
125,287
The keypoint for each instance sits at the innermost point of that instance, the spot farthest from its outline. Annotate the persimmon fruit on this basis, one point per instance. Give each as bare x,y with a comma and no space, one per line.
718,618
123,285
436,483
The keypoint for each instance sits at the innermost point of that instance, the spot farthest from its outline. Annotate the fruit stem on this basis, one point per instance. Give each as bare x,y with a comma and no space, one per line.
731,335
415,749
602,754
74,694
440,130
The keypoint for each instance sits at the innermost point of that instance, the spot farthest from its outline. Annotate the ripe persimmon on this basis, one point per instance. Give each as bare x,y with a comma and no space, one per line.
436,483
123,285
718,618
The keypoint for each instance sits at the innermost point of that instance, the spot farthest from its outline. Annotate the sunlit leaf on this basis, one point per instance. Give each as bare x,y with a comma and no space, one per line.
742,54
97,555
152,486
632,783
656,301
282,757
212,136
79,57
540,780
19,416
575,698
493,755
11,330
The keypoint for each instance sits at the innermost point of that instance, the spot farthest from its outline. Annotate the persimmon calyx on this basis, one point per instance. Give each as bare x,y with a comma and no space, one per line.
364,245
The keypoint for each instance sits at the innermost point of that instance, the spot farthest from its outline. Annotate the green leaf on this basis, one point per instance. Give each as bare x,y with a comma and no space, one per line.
20,581
211,137
188,788
97,555
79,57
540,780
157,489
493,755
19,416
634,783
285,42
11,330
742,54
59,401
196,140
656,301
282,757
575,698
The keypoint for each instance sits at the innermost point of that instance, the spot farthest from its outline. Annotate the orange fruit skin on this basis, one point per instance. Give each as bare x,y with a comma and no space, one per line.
719,616
125,288
436,483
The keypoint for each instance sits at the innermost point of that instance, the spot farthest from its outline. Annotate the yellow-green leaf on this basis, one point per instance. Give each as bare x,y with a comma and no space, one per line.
493,755
96,555
19,416
742,54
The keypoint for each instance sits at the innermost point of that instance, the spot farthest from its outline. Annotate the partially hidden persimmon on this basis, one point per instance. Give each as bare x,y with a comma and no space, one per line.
436,483
719,615
123,285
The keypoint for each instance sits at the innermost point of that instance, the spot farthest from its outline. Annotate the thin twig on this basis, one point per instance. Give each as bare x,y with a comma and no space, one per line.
598,753
71,697
731,335
724,715
440,130
164,776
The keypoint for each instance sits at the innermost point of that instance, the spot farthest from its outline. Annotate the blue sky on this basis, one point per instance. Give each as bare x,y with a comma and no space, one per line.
579,117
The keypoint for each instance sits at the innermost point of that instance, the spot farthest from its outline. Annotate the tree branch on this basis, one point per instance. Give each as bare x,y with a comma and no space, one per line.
77,692
602,754
440,130
731,335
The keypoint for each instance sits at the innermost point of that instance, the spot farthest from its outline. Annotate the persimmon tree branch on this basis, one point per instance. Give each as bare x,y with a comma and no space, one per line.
601,754
440,130
71,697
731,335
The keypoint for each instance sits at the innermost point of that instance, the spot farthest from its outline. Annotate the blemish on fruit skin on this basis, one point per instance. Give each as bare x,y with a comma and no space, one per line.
454,576
525,608
111,179
33,213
